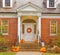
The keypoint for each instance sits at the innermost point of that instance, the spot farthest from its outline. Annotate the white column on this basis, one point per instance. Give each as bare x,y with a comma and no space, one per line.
19,29
39,28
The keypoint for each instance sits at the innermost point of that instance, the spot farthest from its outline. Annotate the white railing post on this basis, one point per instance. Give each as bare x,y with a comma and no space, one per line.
39,29
19,29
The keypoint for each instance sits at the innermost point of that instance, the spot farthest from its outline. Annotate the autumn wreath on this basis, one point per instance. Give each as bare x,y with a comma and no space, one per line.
29,30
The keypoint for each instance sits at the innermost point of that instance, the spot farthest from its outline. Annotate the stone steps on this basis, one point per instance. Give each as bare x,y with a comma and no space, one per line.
30,47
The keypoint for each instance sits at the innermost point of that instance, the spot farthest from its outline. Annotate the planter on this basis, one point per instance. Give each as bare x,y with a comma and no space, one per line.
22,41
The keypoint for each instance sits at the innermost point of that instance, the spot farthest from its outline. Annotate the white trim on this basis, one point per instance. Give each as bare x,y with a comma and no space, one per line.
6,15
29,13
58,17
39,28
3,2
50,29
19,31
11,3
29,7
48,4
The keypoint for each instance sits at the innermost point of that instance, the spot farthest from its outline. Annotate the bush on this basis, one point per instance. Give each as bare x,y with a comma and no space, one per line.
56,49
3,48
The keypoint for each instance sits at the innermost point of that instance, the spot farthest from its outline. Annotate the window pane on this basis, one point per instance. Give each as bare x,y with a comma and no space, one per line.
4,22
7,2
53,27
4,26
5,29
51,3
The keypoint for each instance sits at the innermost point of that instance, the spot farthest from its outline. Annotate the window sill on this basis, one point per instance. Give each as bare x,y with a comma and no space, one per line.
5,34
7,7
52,7
53,34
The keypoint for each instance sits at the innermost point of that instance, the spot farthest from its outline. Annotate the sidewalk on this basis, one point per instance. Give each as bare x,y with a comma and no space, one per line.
28,53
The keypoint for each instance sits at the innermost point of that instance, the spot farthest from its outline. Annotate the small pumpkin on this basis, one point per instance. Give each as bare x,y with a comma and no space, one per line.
43,49
16,49
22,41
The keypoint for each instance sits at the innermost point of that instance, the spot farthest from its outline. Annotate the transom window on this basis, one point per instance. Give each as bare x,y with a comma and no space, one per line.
53,27
4,27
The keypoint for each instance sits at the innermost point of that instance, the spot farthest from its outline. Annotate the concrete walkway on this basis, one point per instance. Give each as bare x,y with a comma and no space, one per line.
28,53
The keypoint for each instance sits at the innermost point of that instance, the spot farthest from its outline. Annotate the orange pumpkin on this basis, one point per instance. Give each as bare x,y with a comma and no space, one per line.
22,41
43,49
16,49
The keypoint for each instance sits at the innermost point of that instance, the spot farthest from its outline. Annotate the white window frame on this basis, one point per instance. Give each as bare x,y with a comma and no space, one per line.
48,4
8,28
11,3
56,29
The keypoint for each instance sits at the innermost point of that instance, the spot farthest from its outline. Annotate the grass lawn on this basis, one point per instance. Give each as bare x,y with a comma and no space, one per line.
7,53
51,54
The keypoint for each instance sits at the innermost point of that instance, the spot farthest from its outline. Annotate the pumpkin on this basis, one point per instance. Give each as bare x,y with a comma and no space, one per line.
36,40
43,49
22,41
16,49
12,46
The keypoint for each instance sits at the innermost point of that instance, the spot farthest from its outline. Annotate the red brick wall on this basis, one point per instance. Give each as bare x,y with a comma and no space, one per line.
45,29
12,34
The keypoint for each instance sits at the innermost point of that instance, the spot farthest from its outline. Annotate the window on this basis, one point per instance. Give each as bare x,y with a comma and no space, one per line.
53,27
51,4
7,3
4,27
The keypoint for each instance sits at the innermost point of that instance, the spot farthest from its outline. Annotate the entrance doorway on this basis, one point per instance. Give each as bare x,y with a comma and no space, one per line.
29,28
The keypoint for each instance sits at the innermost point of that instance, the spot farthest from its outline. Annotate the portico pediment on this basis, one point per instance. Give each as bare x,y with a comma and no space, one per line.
29,7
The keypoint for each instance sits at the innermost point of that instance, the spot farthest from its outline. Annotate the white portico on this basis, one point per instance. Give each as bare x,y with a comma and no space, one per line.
29,22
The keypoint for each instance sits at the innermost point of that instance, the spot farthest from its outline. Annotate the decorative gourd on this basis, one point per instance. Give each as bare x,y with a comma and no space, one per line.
16,49
43,49
22,41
